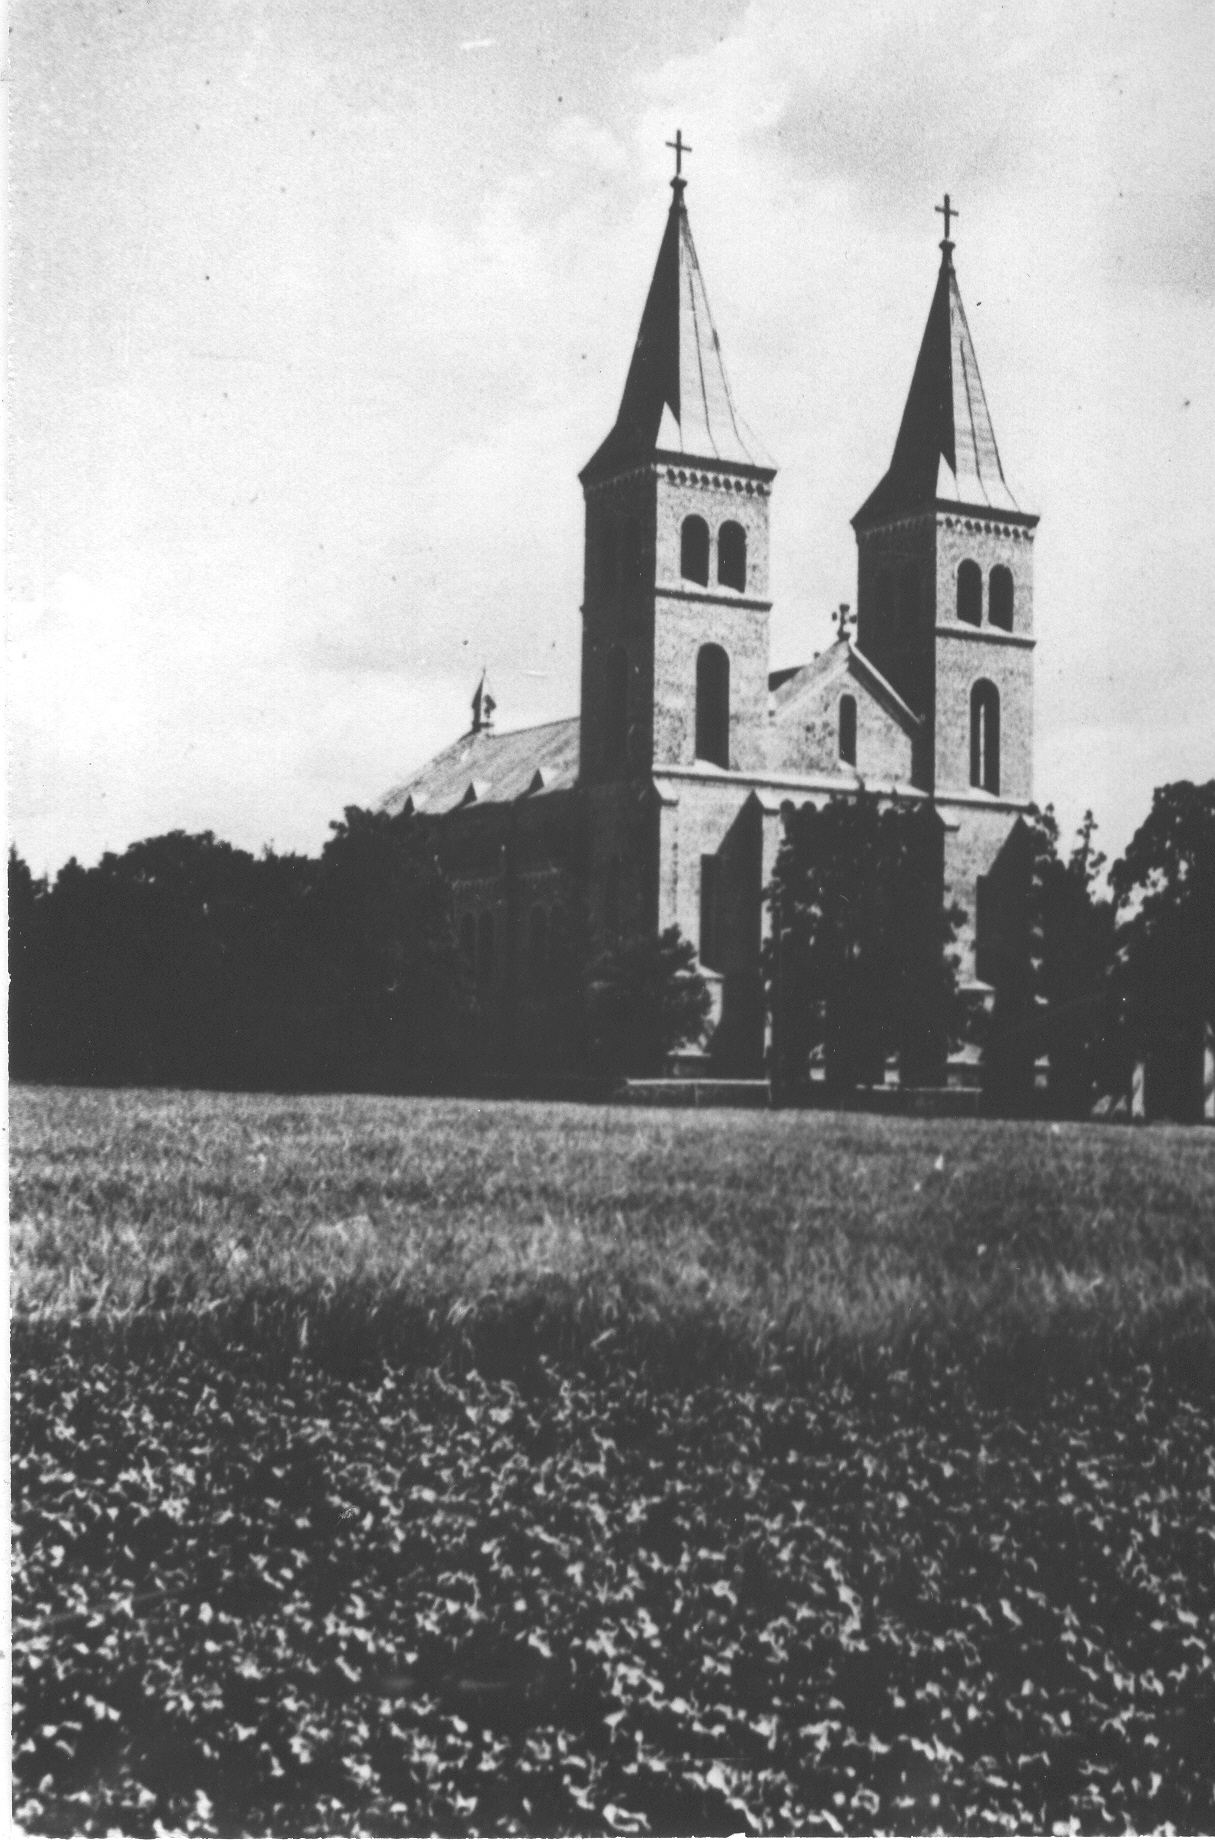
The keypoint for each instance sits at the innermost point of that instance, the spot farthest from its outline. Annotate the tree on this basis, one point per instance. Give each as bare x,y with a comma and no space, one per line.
857,960
645,997
1164,887
26,905
1046,946
393,996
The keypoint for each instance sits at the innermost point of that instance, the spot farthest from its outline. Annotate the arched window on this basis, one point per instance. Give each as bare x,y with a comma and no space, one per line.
607,557
848,730
616,710
468,942
611,898
537,944
485,950
732,556
909,593
713,705
694,551
1000,598
985,736
884,598
970,593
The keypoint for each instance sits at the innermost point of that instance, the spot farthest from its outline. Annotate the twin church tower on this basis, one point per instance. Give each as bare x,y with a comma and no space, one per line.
661,803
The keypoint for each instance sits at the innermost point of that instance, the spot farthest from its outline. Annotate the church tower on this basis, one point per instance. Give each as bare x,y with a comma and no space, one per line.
675,604
945,571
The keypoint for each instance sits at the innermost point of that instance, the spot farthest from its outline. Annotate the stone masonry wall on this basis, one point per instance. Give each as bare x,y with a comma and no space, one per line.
965,654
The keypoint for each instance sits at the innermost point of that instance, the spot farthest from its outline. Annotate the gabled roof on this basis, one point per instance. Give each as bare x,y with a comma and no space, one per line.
841,659
677,400
946,450
488,768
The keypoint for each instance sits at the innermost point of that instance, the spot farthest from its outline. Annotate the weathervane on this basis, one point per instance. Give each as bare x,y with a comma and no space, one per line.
947,211
678,147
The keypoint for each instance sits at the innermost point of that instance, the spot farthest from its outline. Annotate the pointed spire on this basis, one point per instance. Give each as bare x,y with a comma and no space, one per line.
677,400
946,448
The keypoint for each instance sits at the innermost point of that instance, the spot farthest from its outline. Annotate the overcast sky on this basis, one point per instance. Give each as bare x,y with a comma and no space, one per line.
316,311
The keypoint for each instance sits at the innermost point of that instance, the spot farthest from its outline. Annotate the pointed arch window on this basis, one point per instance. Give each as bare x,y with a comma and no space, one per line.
694,551
713,705
985,736
909,593
485,950
732,556
970,593
1000,598
848,730
616,710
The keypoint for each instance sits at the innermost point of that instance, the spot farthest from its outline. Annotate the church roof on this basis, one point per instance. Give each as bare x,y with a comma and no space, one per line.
677,400
841,658
488,768
946,450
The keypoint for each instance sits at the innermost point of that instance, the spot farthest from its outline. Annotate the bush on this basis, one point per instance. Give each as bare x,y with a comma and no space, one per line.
644,998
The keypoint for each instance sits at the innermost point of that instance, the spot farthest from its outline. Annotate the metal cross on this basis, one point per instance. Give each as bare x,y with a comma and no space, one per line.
679,147
947,211
843,617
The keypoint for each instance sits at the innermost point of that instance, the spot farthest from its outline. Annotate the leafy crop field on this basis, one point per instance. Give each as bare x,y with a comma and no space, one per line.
391,1467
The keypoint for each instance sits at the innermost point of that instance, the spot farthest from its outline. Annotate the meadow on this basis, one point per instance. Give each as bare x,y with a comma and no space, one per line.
389,1466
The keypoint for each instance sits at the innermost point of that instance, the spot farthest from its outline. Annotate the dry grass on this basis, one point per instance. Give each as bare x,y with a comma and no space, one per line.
369,1224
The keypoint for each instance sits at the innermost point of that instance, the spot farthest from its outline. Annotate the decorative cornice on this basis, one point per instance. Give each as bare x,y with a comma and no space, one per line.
959,629
755,482
714,597
1019,525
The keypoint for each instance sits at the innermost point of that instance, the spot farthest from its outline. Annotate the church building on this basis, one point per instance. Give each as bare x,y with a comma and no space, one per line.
660,803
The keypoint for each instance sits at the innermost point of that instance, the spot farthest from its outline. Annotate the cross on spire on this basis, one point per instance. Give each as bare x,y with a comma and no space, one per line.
679,147
947,211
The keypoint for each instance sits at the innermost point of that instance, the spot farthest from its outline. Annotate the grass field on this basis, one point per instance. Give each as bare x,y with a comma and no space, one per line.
412,1466
383,1224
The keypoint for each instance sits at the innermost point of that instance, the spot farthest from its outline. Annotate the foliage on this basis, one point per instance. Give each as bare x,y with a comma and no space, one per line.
550,1025
645,997
1050,967
873,1495
1165,889
252,1599
185,961
394,993
857,961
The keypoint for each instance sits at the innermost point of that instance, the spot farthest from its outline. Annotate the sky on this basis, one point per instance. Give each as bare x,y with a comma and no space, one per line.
315,312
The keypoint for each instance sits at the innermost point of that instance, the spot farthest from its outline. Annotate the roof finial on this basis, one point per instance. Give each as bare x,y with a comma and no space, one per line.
679,147
947,211
483,706
843,619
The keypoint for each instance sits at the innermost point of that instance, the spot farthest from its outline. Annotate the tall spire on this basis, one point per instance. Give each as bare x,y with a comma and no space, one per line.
946,448
677,400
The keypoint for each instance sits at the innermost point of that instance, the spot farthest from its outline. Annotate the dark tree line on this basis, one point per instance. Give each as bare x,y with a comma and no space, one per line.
185,961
